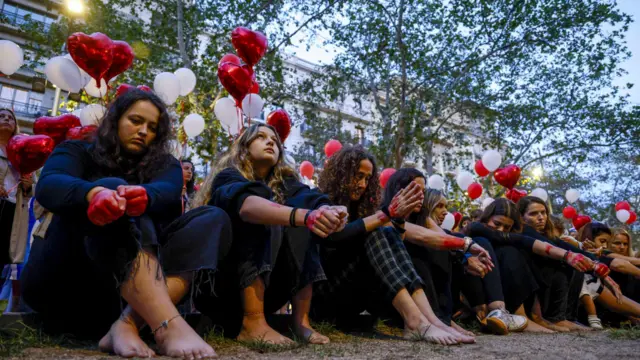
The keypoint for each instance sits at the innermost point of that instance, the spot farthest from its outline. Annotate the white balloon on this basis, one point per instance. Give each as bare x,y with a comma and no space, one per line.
252,105
540,193
167,86
77,112
623,215
94,91
491,160
92,114
193,125
486,202
572,195
85,77
187,80
436,182
290,160
448,222
64,74
12,57
464,179
228,114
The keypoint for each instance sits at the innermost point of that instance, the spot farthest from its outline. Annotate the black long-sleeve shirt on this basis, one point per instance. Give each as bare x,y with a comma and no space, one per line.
498,238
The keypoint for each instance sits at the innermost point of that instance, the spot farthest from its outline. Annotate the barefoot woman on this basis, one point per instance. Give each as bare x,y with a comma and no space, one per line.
118,236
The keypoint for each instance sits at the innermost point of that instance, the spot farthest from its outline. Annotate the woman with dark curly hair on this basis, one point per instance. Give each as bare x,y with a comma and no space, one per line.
118,236
371,244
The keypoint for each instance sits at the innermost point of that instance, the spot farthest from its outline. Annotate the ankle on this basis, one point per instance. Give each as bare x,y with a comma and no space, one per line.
415,322
253,318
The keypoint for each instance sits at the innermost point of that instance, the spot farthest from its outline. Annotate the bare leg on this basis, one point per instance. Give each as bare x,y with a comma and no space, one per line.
628,307
536,315
481,312
421,300
301,306
531,325
148,296
416,325
254,324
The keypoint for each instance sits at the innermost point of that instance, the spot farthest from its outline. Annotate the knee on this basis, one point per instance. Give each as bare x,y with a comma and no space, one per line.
213,215
111,183
483,242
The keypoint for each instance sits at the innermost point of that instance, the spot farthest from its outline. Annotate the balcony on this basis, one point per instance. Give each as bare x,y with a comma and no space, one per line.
8,16
24,109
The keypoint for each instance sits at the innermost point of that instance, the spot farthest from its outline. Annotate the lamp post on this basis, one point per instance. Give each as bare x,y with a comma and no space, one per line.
75,8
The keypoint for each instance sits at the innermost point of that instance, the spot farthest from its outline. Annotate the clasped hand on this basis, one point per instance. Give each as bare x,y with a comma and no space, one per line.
107,205
327,220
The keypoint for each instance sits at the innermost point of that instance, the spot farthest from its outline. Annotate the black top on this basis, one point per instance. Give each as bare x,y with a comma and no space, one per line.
497,238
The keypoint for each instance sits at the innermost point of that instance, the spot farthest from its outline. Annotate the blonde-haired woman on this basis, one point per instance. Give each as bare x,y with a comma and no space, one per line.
620,245
272,259
15,193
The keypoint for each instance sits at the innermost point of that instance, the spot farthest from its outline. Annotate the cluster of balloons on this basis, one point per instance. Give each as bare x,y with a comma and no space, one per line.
12,57
624,213
169,86
330,148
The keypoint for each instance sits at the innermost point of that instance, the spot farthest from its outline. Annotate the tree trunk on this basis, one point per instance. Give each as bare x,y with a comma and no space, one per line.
428,158
186,62
400,135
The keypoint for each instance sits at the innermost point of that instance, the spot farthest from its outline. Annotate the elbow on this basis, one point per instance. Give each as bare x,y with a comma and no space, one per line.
618,265
245,214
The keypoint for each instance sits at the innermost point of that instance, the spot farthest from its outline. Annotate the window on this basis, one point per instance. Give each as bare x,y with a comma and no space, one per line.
18,15
360,135
23,102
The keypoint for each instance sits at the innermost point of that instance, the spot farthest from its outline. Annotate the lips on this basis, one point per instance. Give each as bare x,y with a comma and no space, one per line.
270,151
138,141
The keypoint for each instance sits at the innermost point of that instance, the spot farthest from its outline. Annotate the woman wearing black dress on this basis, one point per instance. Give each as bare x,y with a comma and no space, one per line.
118,236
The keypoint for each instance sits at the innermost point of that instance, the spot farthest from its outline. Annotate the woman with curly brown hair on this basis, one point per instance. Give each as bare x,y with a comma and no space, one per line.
371,244
272,259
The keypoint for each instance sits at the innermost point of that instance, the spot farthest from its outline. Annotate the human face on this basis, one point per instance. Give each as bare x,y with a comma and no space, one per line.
620,244
440,211
464,224
187,171
536,216
7,122
138,126
361,180
602,240
264,147
500,223
421,184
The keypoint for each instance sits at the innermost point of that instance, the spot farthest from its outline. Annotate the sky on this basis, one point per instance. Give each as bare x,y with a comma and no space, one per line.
318,54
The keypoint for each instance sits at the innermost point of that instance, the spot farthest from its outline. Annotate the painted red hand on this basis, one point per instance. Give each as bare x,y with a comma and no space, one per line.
451,243
601,270
106,207
579,262
136,197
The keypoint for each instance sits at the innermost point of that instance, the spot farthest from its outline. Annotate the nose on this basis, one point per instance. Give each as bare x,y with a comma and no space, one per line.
143,130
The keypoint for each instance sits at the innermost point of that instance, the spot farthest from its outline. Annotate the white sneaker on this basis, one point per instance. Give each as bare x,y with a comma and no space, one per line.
594,322
500,322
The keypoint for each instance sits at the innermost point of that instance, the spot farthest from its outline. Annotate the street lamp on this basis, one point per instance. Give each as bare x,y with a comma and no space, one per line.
537,173
75,6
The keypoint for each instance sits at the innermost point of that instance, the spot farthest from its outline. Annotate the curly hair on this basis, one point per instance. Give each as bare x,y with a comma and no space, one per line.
111,155
238,158
338,178
190,185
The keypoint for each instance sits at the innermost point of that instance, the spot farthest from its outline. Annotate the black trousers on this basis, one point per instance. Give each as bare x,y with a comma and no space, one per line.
516,274
480,291
7,212
554,291
72,277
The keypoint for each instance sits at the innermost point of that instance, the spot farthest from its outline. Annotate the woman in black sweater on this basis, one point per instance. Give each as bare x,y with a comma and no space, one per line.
118,236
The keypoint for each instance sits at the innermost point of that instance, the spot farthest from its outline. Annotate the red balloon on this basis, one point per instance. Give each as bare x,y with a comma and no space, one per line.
235,79
632,217
508,176
332,147
232,58
480,169
623,205
55,127
255,88
123,56
457,217
474,191
515,194
29,153
280,120
385,175
580,221
85,133
250,45
92,53
306,169
123,88
569,212
145,88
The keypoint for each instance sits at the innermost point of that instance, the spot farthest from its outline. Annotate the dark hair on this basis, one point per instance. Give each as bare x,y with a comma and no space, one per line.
503,207
338,176
400,180
110,154
557,222
592,230
191,184
476,214
523,205
465,218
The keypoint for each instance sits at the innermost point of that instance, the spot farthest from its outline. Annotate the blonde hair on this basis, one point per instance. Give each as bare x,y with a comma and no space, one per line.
238,158
625,233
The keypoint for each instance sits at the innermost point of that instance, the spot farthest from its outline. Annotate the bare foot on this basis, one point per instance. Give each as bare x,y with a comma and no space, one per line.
551,326
535,328
430,333
181,341
123,340
572,326
305,331
465,336
257,329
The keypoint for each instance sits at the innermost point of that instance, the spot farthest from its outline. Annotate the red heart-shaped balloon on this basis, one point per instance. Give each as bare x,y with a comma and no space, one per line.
508,176
92,53
580,221
55,127
255,89
569,212
280,120
385,175
123,88
457,217
85,133
122,55
232,58
515,194
235,79
632,217
144,88
28,153
623,205
250,45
